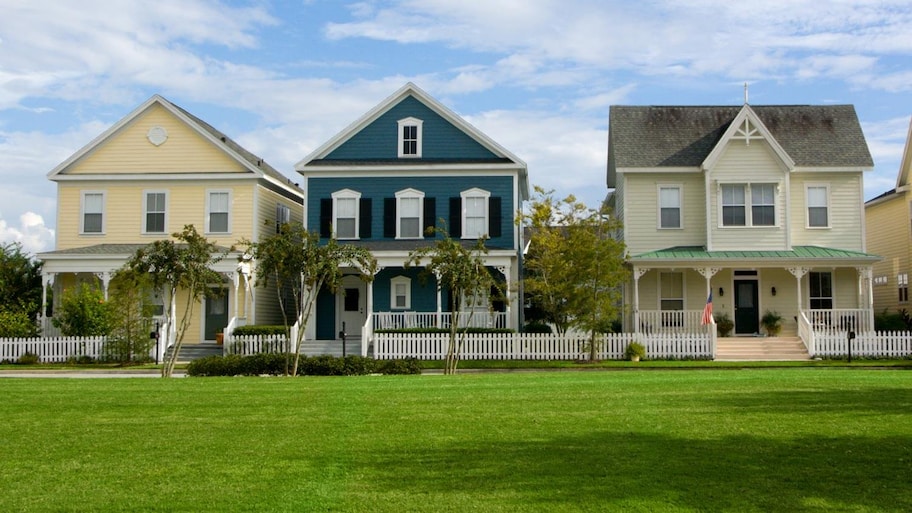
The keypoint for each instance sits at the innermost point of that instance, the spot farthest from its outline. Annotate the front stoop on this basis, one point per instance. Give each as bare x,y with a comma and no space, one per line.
190,352
742,349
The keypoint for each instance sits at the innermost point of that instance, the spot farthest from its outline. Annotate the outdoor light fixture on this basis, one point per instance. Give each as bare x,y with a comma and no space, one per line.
773,291
721,292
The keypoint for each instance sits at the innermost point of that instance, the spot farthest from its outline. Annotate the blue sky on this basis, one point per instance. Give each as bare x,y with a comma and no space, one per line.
537,76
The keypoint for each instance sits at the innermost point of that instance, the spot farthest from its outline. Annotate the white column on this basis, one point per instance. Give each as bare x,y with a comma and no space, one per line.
236,279
798,273
105,278
439,302
505,271
637,274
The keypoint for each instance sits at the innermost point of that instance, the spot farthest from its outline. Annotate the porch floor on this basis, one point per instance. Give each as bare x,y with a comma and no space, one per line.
742,349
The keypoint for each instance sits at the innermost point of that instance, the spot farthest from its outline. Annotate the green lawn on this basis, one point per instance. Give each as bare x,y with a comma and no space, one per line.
664,440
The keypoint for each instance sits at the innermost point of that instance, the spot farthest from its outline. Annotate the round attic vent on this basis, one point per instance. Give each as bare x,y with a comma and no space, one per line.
157,135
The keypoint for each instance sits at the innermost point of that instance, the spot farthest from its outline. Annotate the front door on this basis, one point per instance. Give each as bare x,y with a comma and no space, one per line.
216,313
747,312
352,307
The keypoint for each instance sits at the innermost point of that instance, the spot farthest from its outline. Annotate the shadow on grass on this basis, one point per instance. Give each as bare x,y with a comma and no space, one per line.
869,401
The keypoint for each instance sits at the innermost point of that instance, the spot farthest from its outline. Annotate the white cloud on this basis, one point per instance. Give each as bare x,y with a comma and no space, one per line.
31,232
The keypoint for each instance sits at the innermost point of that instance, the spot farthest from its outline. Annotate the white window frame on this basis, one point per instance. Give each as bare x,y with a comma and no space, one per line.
283,215
745,204
808,206
409,194
751,205
811,286
902,285
659,205
346,194
145,209
209,212
662,297
405,282
473,194
82,212
402,124
748,205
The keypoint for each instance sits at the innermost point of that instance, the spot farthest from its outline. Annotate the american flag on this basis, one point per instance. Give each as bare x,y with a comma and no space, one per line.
708,310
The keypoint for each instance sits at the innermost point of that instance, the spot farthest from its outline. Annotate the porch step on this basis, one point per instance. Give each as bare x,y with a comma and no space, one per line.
331,347
740,349
190,352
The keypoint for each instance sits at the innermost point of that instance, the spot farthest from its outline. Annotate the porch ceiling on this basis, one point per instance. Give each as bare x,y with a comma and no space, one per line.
798,254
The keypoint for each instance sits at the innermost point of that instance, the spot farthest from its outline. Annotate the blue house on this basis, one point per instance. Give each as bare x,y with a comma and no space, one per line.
408,164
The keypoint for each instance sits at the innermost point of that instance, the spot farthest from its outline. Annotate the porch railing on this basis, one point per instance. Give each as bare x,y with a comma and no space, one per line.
669,321
840,319
399,320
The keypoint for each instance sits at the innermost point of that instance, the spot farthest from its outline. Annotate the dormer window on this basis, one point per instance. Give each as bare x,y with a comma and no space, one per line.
410,138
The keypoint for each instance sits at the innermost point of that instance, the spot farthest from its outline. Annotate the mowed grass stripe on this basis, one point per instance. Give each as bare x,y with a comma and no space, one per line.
754,440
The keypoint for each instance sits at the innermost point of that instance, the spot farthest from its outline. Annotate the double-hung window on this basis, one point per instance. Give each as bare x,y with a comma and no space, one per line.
669,206
818,206
409,214
733,206
763,204
345,213
155,205
410,138
93,206
750,204
902,280
218,219
400,293
475,213
283,216
821,290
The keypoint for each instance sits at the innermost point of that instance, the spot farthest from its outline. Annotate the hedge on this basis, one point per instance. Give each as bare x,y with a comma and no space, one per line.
274,364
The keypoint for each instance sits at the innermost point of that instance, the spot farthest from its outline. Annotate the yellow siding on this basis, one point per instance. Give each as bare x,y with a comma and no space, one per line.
845,231
123,216
641,215
267,308
887,226
129,150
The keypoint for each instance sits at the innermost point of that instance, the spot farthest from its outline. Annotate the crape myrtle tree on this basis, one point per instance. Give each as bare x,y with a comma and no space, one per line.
295,261
182,264
131,309
460,270
575,267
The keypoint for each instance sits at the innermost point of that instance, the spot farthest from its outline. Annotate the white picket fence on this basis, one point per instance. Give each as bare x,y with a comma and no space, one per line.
246,345
538,346
54,350
883,344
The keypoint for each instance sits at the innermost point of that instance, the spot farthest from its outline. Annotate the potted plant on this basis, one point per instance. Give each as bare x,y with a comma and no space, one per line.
772,323
724,325
635,351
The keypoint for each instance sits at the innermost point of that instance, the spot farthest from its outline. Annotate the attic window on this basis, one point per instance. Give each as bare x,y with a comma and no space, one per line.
410,138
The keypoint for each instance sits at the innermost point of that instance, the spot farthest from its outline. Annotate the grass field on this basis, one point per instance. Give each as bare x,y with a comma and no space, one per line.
667,440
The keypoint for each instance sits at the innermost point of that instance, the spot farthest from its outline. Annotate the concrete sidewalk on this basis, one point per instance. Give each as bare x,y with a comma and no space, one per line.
87,373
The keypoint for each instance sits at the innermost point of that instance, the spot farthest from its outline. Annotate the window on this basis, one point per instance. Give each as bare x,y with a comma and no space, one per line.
283,216
409,210
672,291
763,204
217,208
410,138
345,213
474,213
903,281
880,280
400,293
821,286
93,204
733,207
818,206
669,206
155,205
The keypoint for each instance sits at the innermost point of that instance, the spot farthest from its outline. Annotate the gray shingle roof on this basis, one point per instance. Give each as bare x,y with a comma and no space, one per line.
658,136
105,250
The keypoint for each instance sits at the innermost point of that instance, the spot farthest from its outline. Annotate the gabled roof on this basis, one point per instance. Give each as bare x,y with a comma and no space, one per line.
253,163
905,165
811,136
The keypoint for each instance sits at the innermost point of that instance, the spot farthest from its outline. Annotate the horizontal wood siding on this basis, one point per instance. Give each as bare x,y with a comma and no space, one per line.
123,216
641,212
845,231
424,290
440,138
888,235
129,150
442,188
754,163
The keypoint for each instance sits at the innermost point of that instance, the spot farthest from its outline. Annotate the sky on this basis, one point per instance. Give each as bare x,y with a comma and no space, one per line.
537,76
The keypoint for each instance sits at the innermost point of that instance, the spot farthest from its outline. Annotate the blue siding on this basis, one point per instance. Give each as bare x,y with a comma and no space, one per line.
424,292
440,138
440,188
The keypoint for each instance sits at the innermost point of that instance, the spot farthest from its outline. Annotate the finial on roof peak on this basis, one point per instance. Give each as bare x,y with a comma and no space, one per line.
745,94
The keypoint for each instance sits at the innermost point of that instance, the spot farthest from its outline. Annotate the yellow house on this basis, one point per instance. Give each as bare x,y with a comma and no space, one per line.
889,235
154,171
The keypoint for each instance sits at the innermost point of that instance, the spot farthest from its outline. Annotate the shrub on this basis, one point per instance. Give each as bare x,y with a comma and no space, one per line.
724,324
635,351
28,358
323,365
404,366
17,324
272,364
83,312
258,329
537,327
886,321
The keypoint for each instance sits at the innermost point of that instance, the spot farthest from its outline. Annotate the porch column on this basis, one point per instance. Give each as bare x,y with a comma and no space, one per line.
798,273
105,278
236,280
866,293
638,273
439,302
708,273
505,271
47,279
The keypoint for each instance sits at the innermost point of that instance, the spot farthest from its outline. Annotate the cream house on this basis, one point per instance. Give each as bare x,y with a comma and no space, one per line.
760,206
154,171
888,232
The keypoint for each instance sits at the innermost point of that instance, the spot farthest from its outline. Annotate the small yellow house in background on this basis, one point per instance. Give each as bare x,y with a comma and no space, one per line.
154,171
889,232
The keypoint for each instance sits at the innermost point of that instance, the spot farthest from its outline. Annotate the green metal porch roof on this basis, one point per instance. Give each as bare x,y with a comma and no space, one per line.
796,253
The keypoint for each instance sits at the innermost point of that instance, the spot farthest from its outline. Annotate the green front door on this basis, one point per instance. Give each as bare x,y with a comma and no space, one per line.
747,311
216,313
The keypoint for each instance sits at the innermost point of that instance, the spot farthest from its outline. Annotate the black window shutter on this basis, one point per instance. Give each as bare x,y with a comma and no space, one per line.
495,216
389,218
430,214
326,213
455,217
364,221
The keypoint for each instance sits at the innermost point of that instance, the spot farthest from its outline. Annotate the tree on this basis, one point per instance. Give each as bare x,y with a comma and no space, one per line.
294,260
462,271
20,281
131,309
575,266
183,264
84,312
